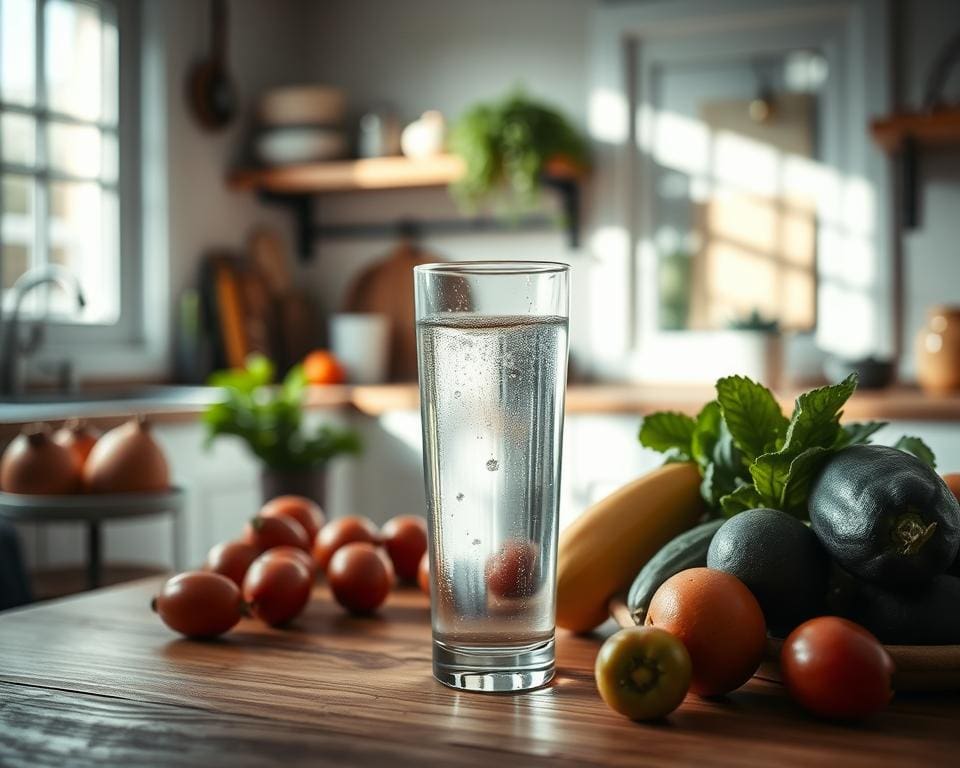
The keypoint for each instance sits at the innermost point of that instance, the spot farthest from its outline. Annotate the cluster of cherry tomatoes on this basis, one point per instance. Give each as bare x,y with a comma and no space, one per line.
270,571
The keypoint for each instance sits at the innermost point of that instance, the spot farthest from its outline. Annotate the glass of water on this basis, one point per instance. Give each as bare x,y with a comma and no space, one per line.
492,344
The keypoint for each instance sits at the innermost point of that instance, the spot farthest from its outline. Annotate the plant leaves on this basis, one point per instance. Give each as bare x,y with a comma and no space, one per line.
858,433
743,498
706,433
751,413
667,430
816,416
770,473
916,447
803,469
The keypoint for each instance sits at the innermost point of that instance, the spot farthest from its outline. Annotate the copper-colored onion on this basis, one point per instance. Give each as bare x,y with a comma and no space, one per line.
34,464
127,460
78,438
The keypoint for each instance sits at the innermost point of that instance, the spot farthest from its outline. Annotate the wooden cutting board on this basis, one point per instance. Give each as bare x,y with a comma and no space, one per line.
387,288
920,668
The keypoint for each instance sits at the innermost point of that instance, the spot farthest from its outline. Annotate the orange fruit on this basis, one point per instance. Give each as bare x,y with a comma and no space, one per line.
952,479
321,367
719,621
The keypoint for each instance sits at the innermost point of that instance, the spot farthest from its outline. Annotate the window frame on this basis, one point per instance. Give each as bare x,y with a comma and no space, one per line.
65,335
623,38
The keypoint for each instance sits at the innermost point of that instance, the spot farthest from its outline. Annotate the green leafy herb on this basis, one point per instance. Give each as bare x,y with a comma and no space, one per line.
752,415
269,419
918,448
666,431
750,455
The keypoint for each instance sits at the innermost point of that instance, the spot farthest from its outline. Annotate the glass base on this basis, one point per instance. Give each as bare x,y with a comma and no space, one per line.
494,670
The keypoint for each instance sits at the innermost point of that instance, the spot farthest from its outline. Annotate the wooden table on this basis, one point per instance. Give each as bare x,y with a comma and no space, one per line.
96,680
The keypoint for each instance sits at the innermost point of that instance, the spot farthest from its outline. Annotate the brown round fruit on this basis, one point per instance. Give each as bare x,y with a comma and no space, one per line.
305,511
127,459
719,621
199,604
231,559
835,668
34,464
277,587
297,554
511,571
360,577
337,533
405,539
77,438
423,574
267,532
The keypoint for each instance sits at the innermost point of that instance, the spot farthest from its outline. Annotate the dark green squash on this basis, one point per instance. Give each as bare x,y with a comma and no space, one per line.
927,615
885,516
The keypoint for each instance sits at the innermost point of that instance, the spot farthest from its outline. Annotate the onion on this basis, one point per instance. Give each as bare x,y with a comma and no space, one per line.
34,464
77,438
127,460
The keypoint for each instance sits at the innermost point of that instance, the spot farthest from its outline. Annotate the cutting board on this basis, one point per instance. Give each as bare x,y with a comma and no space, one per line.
387,288
919,668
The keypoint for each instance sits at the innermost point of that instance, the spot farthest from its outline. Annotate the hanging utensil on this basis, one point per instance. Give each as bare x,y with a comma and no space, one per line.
210,91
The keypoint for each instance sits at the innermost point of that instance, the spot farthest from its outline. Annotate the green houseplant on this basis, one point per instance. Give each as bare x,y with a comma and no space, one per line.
509,146
270,420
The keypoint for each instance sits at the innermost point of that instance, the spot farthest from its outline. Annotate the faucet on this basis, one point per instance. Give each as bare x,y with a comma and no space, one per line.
12,349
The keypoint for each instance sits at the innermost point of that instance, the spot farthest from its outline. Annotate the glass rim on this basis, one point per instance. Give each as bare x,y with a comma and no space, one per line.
502,267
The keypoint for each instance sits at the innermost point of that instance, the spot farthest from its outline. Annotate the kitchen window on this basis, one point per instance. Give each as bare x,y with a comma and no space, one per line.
62,144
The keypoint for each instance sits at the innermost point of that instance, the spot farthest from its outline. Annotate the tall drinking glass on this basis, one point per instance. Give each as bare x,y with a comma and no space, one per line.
492,344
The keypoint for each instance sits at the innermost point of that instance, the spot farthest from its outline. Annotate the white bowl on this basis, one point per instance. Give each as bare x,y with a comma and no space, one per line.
282,146
303,105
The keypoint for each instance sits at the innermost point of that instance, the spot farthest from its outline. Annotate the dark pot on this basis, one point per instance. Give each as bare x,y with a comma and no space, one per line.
311,483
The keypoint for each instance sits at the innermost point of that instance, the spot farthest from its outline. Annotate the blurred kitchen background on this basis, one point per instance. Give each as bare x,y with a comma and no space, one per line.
768,188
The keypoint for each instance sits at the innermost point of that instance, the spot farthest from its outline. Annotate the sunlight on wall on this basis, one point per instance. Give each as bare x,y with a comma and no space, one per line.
607,116
609,296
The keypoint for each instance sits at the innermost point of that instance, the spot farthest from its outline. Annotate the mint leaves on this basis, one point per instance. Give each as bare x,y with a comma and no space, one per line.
751,455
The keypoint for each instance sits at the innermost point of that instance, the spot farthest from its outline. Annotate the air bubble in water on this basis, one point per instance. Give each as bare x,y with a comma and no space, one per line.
457,393
459,497
476,542
493,465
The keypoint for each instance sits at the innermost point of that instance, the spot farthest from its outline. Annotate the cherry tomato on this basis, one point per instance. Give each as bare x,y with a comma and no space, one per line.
360,577
199,604
643,672
277,587
835,668
423,573
405,538
511,570
342,531
297,554
305,511
267,532
231,559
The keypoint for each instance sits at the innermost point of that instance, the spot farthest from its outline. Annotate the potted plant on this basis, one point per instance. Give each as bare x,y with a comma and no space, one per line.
270,420
510,146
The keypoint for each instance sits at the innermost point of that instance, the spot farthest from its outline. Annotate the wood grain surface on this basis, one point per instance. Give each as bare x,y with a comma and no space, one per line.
98,680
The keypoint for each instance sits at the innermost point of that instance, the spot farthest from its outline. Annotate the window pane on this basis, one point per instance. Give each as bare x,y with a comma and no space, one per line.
73,59
17,53
111,70
74,149
110,157
19,139
84,231
17,227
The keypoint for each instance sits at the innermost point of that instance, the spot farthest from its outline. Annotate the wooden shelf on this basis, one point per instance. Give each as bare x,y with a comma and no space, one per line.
937,128
347,175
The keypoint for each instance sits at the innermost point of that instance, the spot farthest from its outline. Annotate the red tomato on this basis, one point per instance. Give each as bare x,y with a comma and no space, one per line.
277,588
231,559
336,533
511,570
405,538
360,577
305,511
267,532
836,668
423,573
297,554
199,604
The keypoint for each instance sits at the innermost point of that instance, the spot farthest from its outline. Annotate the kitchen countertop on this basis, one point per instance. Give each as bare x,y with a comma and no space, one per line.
97,680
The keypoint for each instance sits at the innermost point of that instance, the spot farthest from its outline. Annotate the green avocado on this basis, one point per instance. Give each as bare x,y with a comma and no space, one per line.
927,615
885,516
780,561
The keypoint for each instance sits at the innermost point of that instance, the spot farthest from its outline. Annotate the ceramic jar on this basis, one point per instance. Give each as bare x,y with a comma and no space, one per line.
938,351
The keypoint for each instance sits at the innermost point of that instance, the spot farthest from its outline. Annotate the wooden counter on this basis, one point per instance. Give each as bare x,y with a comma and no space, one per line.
97,680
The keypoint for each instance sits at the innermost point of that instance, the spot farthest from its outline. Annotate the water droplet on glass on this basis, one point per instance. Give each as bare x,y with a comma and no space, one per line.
459,497
493,465
457,393
475,542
